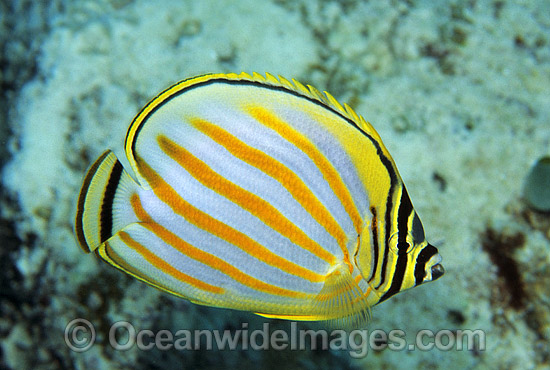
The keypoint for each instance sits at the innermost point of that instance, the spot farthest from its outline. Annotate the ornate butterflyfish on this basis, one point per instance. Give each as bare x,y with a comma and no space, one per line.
260,194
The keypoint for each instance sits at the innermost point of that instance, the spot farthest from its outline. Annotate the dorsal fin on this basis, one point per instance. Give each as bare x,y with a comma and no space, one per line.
296,86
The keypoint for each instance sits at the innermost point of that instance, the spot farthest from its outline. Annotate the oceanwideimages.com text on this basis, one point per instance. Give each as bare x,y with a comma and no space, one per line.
80,336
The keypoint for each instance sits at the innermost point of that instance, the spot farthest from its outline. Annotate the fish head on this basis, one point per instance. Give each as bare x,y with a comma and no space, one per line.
423,259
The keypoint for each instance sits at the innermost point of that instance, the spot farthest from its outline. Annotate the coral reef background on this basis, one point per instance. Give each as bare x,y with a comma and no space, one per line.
459,90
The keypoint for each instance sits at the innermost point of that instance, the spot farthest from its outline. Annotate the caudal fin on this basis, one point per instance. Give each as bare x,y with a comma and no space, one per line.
103,203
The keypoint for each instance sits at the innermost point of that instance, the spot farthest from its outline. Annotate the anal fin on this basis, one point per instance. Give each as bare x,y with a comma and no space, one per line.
341,301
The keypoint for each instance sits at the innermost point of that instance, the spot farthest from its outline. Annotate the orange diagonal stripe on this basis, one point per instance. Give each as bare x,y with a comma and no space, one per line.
270,166
206,258
247,200
330,174
165,267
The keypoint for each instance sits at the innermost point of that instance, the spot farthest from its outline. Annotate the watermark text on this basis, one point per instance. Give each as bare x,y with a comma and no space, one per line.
80,335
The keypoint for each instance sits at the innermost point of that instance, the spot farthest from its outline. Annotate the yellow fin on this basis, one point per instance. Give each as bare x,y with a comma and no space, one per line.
341,301
290,317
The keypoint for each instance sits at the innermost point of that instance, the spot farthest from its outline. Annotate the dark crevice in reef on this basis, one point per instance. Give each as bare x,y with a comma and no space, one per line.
501,247
12,292
10,277
24,300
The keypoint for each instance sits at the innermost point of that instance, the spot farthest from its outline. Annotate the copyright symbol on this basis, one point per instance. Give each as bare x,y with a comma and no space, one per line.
79,335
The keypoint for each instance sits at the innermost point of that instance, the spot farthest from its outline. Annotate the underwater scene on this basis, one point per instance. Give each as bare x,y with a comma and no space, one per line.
221,184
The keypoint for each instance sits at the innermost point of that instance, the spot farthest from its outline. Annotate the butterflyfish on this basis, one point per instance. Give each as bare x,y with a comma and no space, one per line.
259,194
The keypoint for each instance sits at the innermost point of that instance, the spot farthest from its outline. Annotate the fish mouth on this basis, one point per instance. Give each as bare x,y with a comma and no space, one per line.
437,271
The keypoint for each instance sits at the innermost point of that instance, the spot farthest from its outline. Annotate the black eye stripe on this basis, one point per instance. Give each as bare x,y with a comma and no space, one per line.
398,277
405,210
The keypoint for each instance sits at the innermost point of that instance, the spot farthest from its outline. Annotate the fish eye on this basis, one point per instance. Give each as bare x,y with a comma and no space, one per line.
396,246
404,246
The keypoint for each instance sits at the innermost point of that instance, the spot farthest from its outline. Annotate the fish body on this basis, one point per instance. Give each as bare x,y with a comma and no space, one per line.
259,194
